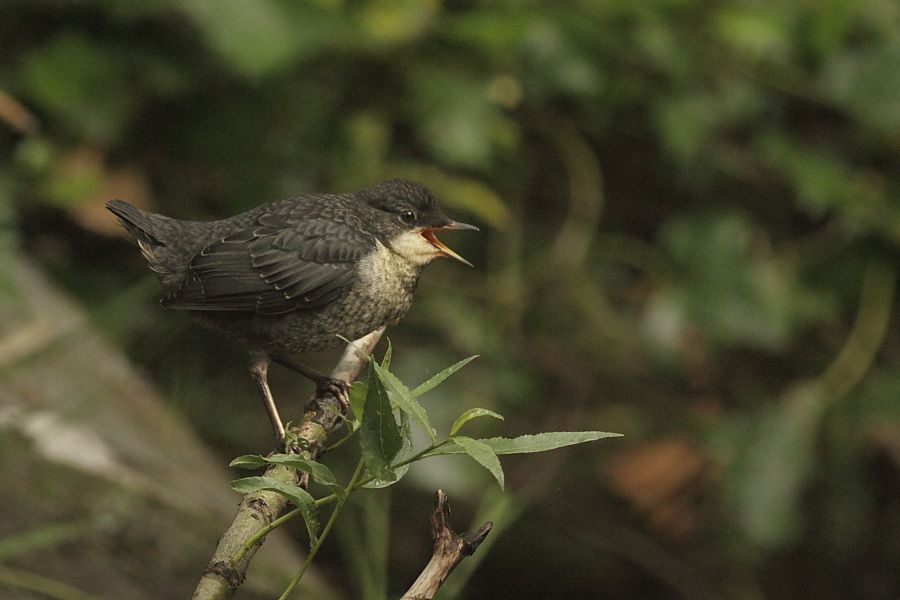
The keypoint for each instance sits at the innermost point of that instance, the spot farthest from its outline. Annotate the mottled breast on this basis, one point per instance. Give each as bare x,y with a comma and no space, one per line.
388,281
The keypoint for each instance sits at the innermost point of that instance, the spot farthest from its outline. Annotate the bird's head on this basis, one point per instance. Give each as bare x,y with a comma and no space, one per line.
411,215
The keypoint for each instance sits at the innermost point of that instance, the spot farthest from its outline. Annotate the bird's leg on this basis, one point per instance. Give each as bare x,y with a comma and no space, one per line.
324,384
259,371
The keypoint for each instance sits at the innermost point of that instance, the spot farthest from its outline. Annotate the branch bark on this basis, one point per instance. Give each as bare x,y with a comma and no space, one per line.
450,548
223,574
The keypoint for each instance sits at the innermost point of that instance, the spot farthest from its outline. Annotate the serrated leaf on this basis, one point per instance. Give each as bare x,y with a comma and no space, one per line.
472,413
358,392
295,495
399,472
406,401
405,452
379,436
439,378
525,444
483,454
320,473
542,442
405,432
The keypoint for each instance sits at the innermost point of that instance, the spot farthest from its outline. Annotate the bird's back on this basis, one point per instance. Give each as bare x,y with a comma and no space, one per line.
292,254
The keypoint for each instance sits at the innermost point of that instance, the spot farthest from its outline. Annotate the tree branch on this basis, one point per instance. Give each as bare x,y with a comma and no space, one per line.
224,574
449,550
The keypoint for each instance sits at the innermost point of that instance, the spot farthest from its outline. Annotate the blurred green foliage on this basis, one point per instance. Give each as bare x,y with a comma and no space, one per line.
692,227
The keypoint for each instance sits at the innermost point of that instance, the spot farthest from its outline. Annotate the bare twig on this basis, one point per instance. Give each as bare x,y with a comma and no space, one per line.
449,550
227,568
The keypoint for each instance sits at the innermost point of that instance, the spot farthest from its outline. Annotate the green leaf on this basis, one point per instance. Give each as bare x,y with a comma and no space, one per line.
248,461
272,35
379,436
472,413
543,442
405,400
440,377
454,116
483,454
396,473
405,452
295,494
386,361
364,535
526,444
772,465
81,83
320,473
358,392
399,472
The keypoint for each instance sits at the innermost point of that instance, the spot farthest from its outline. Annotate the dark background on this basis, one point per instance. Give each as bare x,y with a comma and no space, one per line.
690,224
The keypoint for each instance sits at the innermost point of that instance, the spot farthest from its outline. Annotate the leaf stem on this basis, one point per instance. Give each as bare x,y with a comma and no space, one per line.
325,531
341,441
420,454
415,457
355,484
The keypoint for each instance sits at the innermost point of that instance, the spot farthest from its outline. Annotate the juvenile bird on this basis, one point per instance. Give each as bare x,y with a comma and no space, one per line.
291,276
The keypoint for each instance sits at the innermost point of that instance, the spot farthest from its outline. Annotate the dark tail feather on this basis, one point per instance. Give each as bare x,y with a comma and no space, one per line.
138,222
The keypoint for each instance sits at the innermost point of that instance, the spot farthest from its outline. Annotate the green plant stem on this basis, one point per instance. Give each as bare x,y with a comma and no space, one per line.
325,531
50,588
259,535
867,335
323,501
340,442
45,537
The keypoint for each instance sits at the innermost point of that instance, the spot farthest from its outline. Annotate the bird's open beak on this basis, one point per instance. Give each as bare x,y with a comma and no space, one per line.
428,234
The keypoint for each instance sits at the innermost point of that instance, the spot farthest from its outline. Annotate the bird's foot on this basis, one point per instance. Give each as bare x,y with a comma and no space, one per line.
336,387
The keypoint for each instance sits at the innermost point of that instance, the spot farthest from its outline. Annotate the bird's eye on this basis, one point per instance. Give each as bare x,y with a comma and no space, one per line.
408,217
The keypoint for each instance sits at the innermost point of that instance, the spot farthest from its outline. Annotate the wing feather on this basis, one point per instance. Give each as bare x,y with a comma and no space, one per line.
274,266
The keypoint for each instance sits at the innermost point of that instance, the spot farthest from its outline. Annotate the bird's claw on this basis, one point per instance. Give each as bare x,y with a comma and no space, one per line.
337,388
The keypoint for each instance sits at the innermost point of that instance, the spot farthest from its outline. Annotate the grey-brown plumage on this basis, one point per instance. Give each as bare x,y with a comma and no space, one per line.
291,276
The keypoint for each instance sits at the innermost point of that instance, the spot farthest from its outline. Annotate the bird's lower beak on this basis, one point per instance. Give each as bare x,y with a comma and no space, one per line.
428,234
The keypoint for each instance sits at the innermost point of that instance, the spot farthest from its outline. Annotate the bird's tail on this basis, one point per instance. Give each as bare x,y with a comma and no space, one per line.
144,228
139,223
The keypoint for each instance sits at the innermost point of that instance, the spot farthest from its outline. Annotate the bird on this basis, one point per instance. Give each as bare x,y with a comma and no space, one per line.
297,275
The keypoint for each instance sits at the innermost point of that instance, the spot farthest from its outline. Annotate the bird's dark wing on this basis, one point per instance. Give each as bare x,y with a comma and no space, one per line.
277,265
